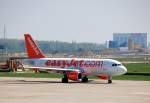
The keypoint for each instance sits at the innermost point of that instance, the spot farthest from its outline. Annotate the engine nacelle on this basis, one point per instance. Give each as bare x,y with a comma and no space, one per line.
75,76
103,76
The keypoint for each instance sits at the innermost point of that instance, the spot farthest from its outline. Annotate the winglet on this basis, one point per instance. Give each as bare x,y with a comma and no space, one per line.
32,49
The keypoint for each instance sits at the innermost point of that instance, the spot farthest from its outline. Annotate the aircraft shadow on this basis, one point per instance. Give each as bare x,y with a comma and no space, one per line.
49,82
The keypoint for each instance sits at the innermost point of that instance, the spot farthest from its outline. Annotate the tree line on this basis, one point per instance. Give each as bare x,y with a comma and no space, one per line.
15,45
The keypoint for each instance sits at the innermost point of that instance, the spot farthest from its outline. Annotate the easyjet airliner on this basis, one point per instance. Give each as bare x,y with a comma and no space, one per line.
76,69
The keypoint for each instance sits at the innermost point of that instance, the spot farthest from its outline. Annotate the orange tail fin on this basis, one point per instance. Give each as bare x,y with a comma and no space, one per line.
32,49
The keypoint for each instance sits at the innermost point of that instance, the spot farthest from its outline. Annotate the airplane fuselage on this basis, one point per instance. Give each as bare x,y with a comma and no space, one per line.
89,66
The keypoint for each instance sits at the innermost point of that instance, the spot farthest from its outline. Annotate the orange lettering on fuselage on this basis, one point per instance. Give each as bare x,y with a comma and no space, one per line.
74,63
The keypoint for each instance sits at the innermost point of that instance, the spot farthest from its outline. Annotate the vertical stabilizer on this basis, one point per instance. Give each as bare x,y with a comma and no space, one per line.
32,49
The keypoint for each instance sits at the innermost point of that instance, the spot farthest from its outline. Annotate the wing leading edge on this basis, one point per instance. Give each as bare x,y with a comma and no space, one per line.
53,69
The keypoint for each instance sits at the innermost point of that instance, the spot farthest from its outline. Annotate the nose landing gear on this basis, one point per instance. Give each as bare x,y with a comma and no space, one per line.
109,79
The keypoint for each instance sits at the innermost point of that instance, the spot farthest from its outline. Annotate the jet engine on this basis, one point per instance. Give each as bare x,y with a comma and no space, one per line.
75,76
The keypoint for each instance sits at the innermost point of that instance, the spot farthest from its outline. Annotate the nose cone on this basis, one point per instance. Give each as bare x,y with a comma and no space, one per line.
123,70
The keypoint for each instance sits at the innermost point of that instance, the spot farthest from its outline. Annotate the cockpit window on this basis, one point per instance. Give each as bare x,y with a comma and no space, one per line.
119,64
116,64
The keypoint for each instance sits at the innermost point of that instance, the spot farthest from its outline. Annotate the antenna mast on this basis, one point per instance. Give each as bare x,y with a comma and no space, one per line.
5,46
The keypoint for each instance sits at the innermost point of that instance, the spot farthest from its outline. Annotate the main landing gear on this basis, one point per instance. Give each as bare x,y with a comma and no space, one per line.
85,79
65,79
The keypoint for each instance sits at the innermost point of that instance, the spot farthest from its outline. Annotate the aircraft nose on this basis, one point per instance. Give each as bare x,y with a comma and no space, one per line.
123,70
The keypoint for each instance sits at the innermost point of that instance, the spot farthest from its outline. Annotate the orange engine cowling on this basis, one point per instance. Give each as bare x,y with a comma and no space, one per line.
75,76
103,76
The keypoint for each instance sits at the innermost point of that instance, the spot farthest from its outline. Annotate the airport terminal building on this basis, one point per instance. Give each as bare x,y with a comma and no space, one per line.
130,40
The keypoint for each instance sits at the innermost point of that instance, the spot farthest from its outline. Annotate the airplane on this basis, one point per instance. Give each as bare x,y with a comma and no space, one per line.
75,69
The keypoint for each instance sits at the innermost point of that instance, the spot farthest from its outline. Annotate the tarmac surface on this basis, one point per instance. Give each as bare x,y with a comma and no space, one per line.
48,90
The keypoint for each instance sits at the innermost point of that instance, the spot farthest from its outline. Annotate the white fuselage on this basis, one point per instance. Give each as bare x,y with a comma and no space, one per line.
89,66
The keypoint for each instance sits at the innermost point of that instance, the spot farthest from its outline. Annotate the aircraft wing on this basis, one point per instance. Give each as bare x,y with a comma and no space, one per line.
53,69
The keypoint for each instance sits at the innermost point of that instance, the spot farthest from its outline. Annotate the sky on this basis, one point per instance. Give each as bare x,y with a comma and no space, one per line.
74,20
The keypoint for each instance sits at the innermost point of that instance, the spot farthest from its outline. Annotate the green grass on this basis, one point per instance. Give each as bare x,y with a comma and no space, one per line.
132,77
34,75
138,67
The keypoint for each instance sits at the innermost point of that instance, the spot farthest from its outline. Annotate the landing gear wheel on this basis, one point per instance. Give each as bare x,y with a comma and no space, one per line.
109,81
84,79
64,80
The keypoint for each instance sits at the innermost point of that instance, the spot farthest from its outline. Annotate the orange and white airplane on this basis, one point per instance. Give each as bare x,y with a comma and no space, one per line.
76,69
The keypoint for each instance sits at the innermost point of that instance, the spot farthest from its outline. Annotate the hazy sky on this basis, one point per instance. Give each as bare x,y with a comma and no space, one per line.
73,20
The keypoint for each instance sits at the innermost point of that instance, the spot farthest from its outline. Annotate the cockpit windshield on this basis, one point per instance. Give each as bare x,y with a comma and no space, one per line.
116,64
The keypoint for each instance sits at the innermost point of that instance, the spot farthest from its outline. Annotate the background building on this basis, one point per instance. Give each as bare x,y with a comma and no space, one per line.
130,40
112,44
